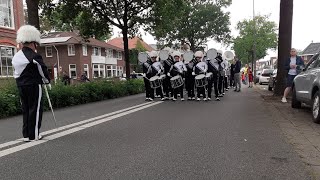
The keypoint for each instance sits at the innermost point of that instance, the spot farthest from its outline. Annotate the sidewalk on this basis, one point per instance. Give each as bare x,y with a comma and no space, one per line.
298,127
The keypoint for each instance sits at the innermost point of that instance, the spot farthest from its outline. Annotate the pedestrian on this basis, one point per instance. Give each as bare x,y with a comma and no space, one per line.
291,65
29,78
84,77
134,75
65,78
237,75
250,77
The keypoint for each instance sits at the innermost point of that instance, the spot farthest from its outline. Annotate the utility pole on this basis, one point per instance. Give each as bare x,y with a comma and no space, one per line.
254,45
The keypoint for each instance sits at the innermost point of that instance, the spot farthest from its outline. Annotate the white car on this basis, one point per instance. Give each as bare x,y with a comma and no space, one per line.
265,76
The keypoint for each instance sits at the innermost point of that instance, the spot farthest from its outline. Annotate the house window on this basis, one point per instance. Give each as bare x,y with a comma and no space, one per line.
72,71
99,71
6,68
85,50
120,70
119,55
48,51
86,69
96,51
6,17
111,71
109,53
71,50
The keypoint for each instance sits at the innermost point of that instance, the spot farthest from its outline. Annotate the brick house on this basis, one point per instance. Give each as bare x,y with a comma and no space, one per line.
309,51
133,43
75,56
11,18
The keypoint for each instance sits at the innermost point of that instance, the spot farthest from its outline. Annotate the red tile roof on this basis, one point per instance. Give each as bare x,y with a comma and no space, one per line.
118,42
90,41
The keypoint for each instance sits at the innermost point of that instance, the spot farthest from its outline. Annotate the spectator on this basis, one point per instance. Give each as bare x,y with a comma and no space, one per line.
65,78
84,77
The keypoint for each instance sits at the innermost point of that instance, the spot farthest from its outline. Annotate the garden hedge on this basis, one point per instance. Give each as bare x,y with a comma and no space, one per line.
63,96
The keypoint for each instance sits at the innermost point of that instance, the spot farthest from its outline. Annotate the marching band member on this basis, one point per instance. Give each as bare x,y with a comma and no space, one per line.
155,69
167,66
149,91
221,76
189,79
200,68
178,68
225,65
213,67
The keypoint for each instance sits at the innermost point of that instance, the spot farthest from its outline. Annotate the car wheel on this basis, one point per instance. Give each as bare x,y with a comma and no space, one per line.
260,83
295,103
315,107
269,88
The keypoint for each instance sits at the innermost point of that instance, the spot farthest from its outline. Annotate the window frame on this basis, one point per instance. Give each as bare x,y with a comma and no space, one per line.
74,49
12,17
46,48
71,69
84,50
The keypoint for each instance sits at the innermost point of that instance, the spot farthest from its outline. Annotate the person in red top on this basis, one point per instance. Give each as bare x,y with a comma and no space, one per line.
250,75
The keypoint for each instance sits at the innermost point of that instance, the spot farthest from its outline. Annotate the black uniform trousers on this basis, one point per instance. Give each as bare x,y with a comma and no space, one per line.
149,90
225,82
220,84
213,81
231,80
30,96
190,86
178,90
167,86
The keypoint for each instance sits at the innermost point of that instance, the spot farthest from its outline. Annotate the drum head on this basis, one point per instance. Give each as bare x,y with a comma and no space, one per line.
162,76
175,77
154,78
143,57
208,74
188,56
212,54
200,76
164,55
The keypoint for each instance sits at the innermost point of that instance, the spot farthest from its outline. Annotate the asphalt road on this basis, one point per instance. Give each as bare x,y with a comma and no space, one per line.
235,138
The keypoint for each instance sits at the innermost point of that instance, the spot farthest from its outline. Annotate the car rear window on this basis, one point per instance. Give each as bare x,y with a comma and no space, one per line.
267,72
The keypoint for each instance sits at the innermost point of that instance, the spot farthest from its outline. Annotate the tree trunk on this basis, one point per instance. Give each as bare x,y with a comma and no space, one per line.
126,51
284,44
33,13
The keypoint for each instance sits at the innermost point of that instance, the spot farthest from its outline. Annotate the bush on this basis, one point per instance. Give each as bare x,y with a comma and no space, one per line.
64,96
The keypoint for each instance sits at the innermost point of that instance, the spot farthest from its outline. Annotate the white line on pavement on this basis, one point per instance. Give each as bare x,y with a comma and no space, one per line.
73,125
70,131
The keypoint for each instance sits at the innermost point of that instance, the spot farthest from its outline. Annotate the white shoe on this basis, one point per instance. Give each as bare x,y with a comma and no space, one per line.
150,99
217,99
189,98
223,93
209,99
284,100
193,98
25,139
205,99
174,99
182,99
162,99
198,99
147,99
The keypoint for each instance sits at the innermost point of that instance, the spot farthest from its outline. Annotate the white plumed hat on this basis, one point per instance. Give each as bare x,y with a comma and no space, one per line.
198,54
176,53
28,33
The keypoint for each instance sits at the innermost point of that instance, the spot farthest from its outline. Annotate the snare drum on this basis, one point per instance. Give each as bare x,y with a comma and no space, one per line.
176,81
201,80
155,82
162,77
209,75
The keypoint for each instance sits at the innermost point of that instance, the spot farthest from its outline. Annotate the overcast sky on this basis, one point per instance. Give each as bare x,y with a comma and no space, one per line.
305,13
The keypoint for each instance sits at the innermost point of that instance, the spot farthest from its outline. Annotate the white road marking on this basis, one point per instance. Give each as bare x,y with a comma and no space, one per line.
70,131
73,125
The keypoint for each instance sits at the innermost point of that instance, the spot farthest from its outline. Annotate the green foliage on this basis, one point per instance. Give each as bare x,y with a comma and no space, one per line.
190,21
266,38
63,96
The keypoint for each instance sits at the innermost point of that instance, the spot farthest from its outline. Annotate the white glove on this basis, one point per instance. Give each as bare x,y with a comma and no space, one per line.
144,74
49,86
193,73
168,74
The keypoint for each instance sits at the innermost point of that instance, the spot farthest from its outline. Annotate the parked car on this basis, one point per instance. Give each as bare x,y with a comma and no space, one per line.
306,88
265,76
272,80
258,73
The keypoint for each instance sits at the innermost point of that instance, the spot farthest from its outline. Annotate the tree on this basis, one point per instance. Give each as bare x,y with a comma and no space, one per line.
285,37
262,31
33,7
190,21
59,18
124,14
